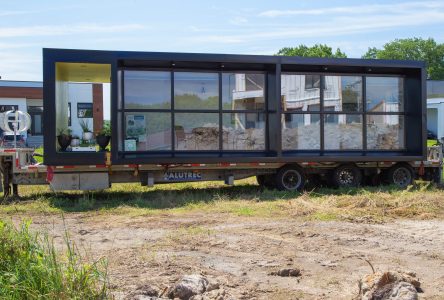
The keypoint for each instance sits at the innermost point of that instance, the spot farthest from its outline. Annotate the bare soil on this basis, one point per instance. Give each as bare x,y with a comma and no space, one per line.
241,252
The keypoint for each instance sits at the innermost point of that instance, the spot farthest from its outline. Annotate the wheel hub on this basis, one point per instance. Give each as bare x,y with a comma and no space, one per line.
401,177
346,177
291,180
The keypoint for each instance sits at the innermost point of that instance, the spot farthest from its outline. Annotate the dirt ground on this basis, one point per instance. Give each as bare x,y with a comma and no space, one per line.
240,252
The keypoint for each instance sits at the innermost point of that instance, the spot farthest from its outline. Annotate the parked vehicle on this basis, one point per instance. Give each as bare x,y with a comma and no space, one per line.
7,140
288,121
431,135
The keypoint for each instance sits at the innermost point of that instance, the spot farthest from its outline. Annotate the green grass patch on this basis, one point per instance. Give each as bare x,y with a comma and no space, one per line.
432,143
31,268
246,199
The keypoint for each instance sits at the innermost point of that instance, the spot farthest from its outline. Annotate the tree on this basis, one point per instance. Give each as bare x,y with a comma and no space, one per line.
318,50
413,49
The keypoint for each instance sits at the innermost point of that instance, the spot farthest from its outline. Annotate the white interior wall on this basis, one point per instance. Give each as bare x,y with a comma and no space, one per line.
79,93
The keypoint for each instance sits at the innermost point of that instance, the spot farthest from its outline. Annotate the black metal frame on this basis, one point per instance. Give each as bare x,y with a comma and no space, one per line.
414,104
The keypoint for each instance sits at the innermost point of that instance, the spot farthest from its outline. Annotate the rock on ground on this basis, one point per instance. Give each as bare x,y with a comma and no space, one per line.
390,286
188,286
143,292
292,272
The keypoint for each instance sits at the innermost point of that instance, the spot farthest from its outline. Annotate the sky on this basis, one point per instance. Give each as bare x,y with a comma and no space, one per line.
229,26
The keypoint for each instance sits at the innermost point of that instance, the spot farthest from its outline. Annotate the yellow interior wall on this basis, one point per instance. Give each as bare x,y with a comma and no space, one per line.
83,72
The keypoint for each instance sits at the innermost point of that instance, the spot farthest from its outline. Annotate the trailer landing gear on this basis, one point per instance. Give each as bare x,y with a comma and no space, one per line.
6,170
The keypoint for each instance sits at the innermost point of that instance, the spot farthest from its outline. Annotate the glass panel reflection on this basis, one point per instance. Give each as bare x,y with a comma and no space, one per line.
243,91
385,132
147,131
343,93
342,132
300,92
193,90
243,131
301,132
196,131
147,89
385,94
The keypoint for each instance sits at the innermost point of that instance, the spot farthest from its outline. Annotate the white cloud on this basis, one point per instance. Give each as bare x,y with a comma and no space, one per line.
356,9
334,26
20,66
6,32
238,20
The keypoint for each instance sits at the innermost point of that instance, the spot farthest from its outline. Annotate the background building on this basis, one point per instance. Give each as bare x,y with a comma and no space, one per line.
85,102
435,107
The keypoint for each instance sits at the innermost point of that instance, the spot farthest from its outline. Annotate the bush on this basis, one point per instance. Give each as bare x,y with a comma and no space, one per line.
31,268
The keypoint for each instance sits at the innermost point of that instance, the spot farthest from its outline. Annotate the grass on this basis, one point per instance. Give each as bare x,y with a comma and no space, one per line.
31,268
431,143
423,200
39,151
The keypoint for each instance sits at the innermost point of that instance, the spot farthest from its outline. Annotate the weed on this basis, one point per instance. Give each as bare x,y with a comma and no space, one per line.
31,268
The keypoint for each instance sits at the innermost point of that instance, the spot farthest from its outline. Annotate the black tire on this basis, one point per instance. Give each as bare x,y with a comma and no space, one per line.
290,178
266,181
400,175
346,176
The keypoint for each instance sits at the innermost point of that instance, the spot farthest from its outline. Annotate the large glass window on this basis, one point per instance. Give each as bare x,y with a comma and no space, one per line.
193,90
343,93
147,131
301,132
196,131
341,133
301,94
243,131
385,94
194,122
147,89
385,132
341,111
295,95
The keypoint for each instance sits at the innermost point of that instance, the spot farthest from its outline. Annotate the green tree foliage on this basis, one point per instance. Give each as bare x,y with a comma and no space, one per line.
318,50
413,49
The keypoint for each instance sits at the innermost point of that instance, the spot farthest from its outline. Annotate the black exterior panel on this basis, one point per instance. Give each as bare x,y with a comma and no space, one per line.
414,90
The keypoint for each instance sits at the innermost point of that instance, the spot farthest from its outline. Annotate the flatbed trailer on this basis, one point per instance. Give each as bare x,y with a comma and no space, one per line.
288,121
18,169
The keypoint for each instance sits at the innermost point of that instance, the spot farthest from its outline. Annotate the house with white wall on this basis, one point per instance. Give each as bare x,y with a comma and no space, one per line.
26,96
435,107
86,101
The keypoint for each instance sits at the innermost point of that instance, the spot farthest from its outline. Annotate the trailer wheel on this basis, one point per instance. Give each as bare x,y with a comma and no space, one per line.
290,178
347,176
400,175
266,181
